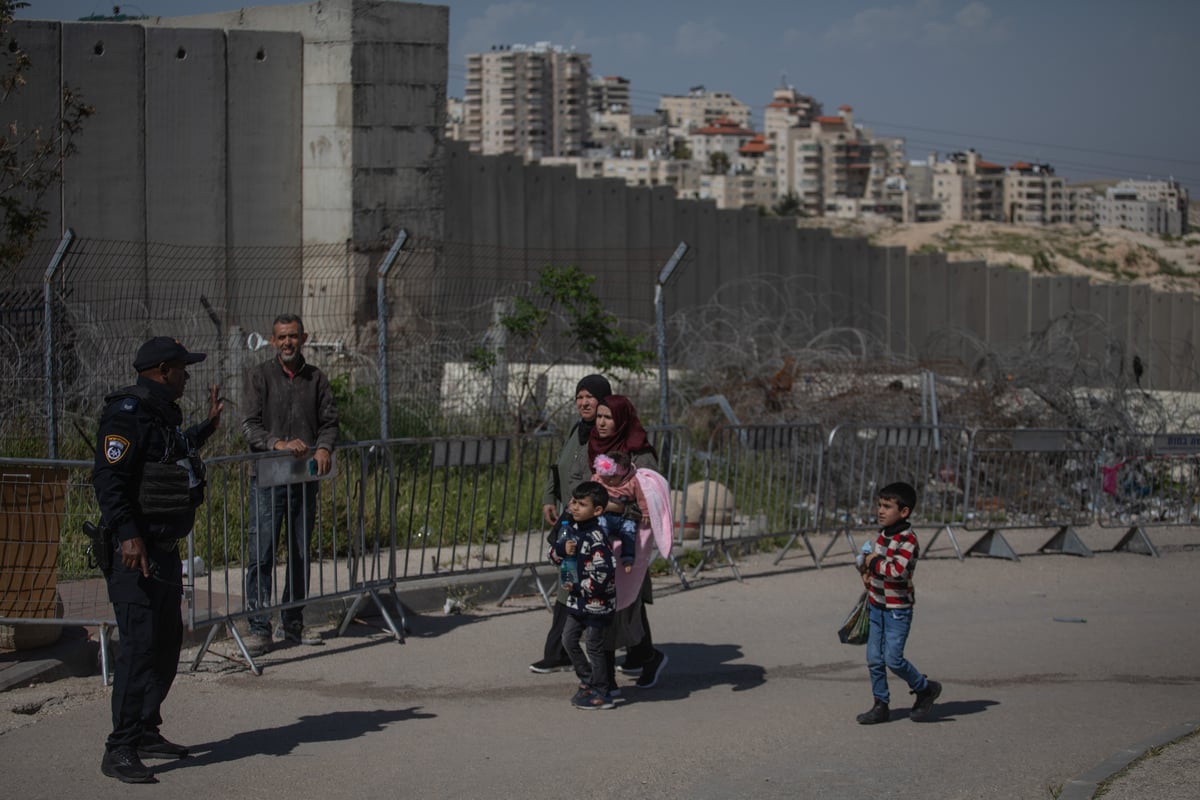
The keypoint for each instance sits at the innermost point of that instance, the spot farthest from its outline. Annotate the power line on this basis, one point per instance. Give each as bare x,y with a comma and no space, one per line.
1032,144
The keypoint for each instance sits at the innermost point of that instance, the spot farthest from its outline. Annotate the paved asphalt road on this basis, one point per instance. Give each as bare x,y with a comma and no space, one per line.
758,700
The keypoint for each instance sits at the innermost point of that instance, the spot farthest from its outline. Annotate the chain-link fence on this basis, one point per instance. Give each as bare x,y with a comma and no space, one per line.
75,312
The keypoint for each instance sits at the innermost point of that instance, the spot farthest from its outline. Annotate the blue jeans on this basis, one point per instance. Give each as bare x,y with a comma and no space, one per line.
885,650
294,508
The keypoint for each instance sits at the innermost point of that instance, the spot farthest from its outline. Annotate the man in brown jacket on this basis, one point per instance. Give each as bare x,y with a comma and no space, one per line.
289,407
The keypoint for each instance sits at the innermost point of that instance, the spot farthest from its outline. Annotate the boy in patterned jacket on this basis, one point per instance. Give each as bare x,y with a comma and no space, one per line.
590,602
887,572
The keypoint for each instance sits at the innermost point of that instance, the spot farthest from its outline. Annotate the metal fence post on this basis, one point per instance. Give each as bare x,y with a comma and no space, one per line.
382,321
660,329
48,341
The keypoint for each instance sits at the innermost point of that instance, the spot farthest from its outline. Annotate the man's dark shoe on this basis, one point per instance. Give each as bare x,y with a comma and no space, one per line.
546,666
257,643
123,764
161,748
652,671
878,713
631,668
925,698
296,631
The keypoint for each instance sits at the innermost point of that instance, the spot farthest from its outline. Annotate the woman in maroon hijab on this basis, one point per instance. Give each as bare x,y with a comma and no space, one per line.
618,428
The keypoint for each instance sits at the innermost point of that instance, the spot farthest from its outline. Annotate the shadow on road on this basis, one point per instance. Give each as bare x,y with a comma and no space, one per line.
695,666
335,726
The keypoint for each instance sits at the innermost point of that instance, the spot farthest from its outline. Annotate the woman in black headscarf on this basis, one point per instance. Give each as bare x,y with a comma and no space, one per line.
572,468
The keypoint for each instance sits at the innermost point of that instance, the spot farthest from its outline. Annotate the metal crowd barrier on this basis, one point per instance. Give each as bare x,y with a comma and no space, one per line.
1031,478
1153,481
759,481
863,458
403,509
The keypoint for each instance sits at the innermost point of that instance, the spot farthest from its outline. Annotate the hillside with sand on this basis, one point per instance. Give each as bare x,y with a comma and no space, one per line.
1108,256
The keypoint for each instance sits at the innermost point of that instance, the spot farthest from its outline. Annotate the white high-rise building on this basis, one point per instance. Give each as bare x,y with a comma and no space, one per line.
528,100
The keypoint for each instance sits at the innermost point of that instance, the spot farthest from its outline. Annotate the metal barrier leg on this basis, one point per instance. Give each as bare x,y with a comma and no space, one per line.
807,543
1136,541
537,580
953,541
350,613
718,547
212,634
1067,542
844,532
237,638
992,545
397,631
678,571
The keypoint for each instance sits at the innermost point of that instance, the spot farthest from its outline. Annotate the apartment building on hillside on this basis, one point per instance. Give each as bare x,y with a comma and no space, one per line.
968,188
527,100
1034,195
700,108
724,136
1155,207
833,158
609,95
788,109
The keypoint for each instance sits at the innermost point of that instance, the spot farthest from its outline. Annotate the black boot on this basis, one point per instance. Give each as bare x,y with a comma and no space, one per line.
878,713
123,764
925,698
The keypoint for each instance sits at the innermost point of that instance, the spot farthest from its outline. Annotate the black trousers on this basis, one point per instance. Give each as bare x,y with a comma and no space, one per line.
151,635
554,650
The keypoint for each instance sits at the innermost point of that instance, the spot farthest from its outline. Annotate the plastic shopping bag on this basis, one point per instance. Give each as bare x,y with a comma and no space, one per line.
857,626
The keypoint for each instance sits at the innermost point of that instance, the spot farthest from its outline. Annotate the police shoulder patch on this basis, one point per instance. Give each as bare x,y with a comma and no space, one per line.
128,405
115,448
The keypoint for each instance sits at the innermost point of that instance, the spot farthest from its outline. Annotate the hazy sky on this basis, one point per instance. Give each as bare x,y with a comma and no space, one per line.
1097,88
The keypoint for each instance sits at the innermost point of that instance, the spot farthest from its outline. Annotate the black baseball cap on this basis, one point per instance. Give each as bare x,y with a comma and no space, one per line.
164,350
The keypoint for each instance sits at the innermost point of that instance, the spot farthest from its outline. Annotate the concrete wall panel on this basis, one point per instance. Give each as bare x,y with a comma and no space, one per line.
1140,316
708,248
820,243
1039,303
1116,362
1159,366
637,220
930,301
539,207
1018,306
185,137
1183,357
728,276
104,196
510,202
565,209
858,289
899,304
36,104
265,146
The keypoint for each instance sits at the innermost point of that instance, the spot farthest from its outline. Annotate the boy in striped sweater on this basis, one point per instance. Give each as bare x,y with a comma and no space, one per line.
887,573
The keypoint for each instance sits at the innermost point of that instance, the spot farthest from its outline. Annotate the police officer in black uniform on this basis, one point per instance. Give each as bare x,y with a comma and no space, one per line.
149,481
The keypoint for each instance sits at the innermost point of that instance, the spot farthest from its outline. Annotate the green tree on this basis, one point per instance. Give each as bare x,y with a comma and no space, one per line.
681,152
718,162
788,206
32,152
563,307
